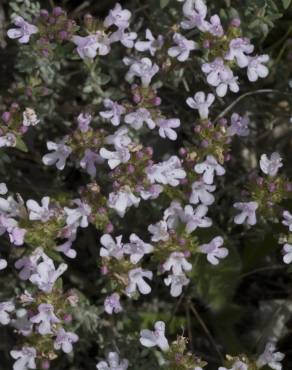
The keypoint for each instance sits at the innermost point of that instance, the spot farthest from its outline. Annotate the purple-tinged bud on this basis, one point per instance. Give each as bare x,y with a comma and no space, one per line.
44,13
235,22
23,129
101,210
198,129
204,143
206,44
227,157
139,154
116,185
260,181
6,116
109,228
67,318
149,151
45,53
104,270
63,35
131,169
14,107
150,163
178,358
222,122
228,140
181,241
117,171
272,187
183,152
52,20
157,101
45,364
136,98
288,186
218,136
187,254
183,181
209,124
57,11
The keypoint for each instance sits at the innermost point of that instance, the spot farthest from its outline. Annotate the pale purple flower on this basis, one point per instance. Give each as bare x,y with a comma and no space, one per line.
287,220
6,308
89,161
66,249
137,282
121,155
25,358
3,264
166,127
28,264
122,199
202,103
137,118
84,120
143,69
39,212
86,46
111,247
239,125
46,274
214,250
177,263
215,27
176,283
137,248
114,111
270,357
271,166
113,363
209,168
248,213
29,117
60,153
78,216
287,251
120,138
16,235
195,12
3,188
216,72
169,172
151,45
154,338
238,365
118,17
11,207
152,193
22,323
64,340
173,214
112,304
8,140
45,318
225,84
183,47
125,38
159,231
23,32
196,218
256,67
201,192
238,50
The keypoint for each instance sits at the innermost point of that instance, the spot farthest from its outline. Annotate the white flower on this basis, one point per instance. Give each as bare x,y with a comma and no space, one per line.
118,17
125,38
112,304
238,365
196,218
23,32
173,214
195,11
137,118
120,138
215,27
111,247
176,282
78,216
213,250
159,231
201,103
8,140
152,45
25,358
231,83
143,69
248,213
59,155
167,173
183,47
177,263
166,127
122,155
114,112
208,168
3,264
256,67
3,188
136,281
137,248
122,199
271,166
287,251
270,357
37,212
5,308
45,318
201,193
64,340
29,117
238,48
287,219
154,338
113,363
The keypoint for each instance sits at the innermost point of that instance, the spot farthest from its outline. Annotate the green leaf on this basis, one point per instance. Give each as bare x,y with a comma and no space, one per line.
20,144
164,3
286,3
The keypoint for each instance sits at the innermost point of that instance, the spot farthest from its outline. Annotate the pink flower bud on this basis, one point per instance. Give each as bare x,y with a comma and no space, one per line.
23,129
181,241
157,101
104,270
182,152
6,116
44,13
149,151
235,22
272,187
204,143
109,228
45,364
206,44
67,318
131,169
57,11
187,254
260,181
198,129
